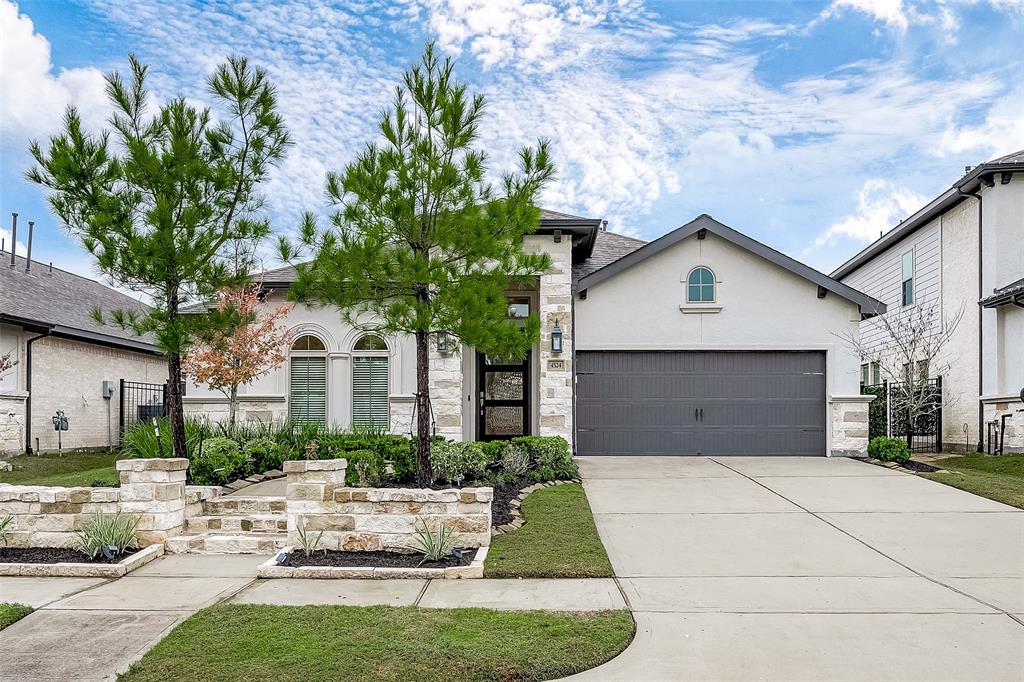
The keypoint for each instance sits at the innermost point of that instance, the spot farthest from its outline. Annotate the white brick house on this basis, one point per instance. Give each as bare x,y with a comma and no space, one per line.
737,381
964,249
63,357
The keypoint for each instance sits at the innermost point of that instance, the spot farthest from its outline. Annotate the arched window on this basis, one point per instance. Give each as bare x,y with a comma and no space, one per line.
307,394
370,402
700,285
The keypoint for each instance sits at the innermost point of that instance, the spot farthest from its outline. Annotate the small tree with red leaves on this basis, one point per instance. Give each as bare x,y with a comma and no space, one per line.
246,343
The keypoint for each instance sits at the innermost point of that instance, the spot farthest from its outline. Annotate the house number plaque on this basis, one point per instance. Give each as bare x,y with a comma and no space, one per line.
556,365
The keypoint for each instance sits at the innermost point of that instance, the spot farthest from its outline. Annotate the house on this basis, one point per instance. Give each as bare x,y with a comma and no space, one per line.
701,342
962,250
65,359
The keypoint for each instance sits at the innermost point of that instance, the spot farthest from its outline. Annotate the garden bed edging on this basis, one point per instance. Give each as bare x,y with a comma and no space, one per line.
84,570
271,569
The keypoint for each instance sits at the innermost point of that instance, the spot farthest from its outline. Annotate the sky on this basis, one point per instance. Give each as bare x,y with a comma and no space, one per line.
811,127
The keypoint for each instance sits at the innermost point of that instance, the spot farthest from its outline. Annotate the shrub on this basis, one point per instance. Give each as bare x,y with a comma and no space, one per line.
365,468
550,457
457,461
514,459
108,530
889,449
264,452
433,545
218,460
140,439
493,448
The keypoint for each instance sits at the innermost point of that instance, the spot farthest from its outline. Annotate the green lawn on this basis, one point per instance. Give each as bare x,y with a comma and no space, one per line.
310,643
997,478
69,470
559,539
11,613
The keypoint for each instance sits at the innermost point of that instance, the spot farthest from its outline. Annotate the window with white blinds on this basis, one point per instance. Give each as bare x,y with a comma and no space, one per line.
308,394
370,391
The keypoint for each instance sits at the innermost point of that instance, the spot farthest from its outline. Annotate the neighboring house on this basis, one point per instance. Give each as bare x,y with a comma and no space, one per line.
63,358
701,342
965,248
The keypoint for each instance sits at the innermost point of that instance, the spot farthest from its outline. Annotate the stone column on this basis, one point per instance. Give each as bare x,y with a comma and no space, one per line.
850,426
155,490
556,368
446,390
310,490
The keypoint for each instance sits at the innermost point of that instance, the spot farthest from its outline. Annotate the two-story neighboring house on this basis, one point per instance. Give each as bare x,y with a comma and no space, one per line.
965,248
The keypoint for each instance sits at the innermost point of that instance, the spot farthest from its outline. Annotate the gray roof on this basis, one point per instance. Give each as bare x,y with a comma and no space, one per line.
1011,293
970,182
63,302
868,306
608,248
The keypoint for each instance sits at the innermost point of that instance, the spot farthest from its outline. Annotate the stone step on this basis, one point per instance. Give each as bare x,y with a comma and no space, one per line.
216,543
250,523
232,505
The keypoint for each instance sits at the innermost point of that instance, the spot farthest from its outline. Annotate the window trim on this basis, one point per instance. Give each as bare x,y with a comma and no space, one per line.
904,278
713,285
310,354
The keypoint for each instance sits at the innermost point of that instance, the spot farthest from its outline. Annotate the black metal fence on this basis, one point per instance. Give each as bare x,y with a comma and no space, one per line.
141,402
888,413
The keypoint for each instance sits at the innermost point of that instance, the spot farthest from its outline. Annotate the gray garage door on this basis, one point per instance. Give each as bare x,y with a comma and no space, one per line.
700,403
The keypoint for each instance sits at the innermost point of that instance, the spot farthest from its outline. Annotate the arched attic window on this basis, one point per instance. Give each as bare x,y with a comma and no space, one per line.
700,285
307,394
370,393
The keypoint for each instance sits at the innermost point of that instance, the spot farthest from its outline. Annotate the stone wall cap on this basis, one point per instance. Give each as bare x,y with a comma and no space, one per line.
153,464
296,466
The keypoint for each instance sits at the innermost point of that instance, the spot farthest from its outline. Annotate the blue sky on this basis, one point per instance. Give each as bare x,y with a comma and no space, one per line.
809,126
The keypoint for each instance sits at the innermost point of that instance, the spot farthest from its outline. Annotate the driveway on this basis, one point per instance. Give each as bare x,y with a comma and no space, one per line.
807,569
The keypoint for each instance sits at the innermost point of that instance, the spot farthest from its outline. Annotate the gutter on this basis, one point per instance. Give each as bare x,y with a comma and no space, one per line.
28,389
981,330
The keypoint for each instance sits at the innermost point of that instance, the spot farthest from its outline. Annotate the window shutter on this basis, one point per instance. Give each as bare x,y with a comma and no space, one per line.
308,394
370,392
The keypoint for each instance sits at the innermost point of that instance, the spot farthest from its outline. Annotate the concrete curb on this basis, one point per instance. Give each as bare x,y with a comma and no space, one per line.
84,570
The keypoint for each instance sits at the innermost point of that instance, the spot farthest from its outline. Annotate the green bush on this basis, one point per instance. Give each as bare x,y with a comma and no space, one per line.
455,462
550,458
514,459
493,449
889,449
140,439
264,453
219,461
107,530
365,468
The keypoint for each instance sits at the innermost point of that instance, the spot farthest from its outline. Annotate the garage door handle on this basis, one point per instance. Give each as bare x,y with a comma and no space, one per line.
702,414
695,414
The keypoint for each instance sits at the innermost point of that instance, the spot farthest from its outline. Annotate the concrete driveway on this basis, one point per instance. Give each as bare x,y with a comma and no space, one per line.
807,569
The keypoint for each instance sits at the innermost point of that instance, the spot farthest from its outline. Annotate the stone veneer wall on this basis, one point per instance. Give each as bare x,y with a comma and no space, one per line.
153,489
12,424
370,519
445,392
1013,439
850,426
555,303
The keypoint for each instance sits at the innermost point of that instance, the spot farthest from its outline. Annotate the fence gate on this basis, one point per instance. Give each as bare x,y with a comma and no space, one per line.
141,402
888,414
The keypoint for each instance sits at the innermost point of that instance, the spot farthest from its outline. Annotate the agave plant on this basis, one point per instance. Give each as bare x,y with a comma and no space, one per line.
434,545
108,534
310,543
5,528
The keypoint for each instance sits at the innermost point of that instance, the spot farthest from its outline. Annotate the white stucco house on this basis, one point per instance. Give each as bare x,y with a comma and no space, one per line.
704,341
964,249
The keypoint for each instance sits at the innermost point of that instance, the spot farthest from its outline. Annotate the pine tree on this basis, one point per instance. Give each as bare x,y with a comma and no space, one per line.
158,200
419,241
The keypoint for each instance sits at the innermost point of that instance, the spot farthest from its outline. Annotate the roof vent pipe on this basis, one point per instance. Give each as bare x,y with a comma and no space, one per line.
28,255
14,236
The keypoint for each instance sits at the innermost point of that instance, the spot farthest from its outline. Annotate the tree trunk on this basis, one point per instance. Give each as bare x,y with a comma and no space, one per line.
424,474
175,410
232,407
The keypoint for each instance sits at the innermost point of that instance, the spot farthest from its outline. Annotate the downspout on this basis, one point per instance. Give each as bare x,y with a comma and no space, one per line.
981,332
28,389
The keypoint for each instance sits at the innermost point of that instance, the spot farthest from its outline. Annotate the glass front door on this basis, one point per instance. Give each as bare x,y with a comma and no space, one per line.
504,398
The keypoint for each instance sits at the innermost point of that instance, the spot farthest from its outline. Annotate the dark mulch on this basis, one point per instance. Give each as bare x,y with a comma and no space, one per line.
501,511
909,465
53,555
375,559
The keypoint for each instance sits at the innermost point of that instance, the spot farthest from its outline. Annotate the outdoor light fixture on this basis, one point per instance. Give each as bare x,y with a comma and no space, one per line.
443,343
556,339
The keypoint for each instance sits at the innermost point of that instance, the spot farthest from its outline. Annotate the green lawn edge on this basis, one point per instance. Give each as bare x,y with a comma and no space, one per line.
999,478
73,469
11,613
559,539
312,643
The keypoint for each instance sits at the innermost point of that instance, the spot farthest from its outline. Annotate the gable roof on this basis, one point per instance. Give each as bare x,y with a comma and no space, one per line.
608,248
869,307
62,303
959,192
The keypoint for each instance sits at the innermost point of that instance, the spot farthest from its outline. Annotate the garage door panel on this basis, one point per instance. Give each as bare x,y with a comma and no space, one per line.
754,403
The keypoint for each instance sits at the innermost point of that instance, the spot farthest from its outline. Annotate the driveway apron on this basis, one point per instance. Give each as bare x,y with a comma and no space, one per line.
740,568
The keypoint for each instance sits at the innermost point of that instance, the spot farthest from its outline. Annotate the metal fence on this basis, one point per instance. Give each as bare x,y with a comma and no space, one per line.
888,414
141,402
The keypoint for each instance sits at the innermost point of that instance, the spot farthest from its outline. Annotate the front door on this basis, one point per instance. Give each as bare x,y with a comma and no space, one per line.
503,397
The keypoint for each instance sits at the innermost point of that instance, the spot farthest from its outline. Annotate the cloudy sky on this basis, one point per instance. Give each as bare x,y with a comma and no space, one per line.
809,126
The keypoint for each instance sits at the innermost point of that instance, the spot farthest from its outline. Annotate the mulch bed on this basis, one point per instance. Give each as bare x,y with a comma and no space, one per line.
909,465
501,511
375,559
53,555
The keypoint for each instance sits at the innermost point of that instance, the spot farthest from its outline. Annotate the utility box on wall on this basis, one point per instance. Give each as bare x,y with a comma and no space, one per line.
108,389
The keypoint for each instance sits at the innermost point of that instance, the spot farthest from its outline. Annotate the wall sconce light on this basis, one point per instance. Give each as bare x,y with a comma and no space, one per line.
556,339
443,343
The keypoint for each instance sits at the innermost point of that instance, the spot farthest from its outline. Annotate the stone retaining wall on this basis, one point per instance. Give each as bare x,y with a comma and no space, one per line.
152,489
370,519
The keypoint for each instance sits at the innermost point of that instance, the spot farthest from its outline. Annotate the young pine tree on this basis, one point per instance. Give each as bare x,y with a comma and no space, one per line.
159,200
419,241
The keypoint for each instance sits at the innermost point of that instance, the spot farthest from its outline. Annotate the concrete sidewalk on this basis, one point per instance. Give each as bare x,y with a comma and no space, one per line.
807,569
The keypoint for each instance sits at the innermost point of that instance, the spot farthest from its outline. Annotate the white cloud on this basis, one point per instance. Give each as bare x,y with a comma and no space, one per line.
32,97
889,12
1002,131
880,206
